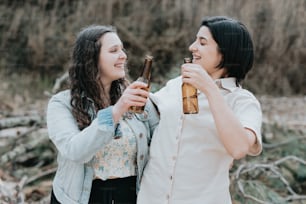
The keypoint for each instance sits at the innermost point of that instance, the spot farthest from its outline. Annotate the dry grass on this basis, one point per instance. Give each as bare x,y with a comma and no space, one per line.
37,35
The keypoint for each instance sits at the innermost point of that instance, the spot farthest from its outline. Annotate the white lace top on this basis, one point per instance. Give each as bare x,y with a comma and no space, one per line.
118,158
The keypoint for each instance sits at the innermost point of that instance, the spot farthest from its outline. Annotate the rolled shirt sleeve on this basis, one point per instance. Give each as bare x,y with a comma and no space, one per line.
248,110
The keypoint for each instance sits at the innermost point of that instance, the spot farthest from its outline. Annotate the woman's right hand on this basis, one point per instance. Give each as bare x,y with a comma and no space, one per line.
197,76
134,95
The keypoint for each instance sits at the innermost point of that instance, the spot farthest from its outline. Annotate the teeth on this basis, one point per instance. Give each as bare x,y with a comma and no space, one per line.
119,65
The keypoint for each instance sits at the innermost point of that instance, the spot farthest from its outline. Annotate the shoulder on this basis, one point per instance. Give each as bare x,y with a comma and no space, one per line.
242,94
58,106
62,94
243,101
62,97
174,82
171,85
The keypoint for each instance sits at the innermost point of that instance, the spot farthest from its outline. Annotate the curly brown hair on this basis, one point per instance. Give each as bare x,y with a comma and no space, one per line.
84,76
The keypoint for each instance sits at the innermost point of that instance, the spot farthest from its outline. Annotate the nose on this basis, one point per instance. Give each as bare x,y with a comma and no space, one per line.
123,55
193,47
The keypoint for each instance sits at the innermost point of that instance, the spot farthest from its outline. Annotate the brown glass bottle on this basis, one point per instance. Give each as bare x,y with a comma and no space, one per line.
144,77
189,96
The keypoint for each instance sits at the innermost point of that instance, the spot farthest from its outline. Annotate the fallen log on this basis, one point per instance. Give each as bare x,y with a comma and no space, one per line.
16,131
40,136
21,121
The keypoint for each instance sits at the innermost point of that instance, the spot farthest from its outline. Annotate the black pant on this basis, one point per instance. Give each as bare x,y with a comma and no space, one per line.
112,191
53,199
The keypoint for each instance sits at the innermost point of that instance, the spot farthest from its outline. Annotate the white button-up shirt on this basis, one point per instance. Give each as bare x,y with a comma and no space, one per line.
188,164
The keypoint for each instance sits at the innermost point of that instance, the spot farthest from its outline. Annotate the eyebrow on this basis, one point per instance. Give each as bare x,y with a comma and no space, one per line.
202,38
116,46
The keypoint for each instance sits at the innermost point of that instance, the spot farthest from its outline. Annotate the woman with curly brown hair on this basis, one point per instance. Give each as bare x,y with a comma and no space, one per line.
102,148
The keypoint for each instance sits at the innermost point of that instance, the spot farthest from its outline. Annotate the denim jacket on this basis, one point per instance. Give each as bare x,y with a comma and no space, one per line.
73,179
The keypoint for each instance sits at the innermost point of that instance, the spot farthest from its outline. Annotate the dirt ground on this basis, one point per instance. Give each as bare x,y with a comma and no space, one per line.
287,111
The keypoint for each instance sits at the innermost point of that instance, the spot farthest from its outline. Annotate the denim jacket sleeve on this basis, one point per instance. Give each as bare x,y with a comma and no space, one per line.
71,143
153,115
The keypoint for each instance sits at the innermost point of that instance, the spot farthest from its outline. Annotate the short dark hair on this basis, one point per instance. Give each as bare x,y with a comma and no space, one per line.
234,43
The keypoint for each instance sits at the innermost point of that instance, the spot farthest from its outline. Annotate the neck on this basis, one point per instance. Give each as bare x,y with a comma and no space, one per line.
218,73
107,88
106,94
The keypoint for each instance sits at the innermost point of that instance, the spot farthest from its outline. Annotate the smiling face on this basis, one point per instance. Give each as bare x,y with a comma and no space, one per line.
112,59
205,53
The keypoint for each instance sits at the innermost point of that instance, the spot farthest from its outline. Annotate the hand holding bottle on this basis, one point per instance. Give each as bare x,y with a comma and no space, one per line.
197,76
134,95
144,77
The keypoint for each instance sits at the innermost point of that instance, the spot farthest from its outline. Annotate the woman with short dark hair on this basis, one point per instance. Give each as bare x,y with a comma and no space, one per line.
190,155
234,43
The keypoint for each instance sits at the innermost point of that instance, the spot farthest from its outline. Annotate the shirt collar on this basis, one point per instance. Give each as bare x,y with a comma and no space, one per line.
227,83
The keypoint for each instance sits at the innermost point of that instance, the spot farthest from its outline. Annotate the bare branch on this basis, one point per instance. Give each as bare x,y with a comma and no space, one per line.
274,168
240,186
42,174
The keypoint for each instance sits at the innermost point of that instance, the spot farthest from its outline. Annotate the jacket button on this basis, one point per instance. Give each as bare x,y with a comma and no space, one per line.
140,135
141,157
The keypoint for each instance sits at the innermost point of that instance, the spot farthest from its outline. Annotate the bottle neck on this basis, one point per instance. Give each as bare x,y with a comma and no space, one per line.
146,71
143,79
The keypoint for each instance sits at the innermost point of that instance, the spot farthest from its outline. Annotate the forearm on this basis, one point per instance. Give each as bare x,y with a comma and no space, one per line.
73,144
235,138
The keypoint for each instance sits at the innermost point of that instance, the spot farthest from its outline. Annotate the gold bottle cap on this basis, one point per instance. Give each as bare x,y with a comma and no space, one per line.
187,60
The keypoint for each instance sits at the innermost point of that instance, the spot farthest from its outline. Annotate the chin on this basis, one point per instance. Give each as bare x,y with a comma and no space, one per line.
121,75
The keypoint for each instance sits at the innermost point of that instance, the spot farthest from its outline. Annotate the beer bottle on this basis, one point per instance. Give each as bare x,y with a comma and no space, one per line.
189,96
144,77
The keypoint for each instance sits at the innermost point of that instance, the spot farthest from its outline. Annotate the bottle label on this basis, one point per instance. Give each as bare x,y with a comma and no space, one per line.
190,99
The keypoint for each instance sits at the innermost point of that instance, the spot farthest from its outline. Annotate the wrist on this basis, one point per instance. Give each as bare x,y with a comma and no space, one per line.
116,113
211,90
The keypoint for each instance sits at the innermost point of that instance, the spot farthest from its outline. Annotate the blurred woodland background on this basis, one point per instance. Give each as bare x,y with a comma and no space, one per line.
36,38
